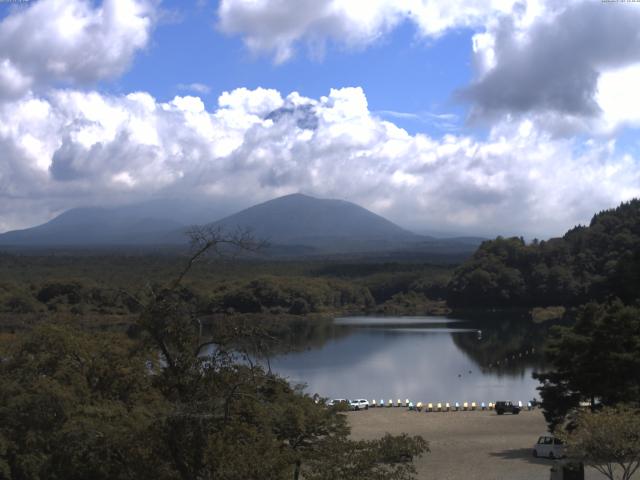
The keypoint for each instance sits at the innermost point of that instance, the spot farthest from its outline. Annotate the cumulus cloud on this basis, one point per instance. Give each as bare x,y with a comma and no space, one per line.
72,42
558,63
72,148
276,27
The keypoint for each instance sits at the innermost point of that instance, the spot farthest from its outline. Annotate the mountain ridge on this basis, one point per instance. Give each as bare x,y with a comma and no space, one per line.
295,224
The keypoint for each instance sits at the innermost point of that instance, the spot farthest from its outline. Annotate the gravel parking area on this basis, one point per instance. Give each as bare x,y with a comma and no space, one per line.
466,445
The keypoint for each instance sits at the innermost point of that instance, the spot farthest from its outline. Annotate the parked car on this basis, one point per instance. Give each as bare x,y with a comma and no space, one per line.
345,402
549,446
359,404
503,407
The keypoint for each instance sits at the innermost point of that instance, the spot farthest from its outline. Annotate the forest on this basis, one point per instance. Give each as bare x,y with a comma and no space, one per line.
588,263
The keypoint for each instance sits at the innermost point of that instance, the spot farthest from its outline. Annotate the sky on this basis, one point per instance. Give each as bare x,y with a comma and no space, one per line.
480,117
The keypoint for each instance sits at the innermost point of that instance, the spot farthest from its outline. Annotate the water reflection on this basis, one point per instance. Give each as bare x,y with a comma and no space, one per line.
429,359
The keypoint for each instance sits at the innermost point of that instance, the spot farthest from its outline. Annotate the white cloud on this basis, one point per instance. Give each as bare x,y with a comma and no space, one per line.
73,148
618,96
276,27
70,42
572,65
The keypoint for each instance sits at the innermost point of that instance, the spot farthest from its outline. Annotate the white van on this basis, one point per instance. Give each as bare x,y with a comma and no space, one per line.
549,446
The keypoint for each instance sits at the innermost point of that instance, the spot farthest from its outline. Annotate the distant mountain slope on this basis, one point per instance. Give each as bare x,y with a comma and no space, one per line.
587,263
144,223
325,224
91,227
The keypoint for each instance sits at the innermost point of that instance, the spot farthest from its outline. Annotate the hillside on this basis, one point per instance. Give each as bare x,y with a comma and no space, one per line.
144,223
587,263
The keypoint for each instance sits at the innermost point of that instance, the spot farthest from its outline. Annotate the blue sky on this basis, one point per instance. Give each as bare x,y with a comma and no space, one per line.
498,117
400,73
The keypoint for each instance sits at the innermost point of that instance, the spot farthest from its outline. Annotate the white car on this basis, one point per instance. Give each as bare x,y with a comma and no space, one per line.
340,401
549,446
359,404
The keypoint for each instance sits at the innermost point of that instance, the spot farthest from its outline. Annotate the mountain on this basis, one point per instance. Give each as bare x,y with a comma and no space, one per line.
293,226
320,223
138,224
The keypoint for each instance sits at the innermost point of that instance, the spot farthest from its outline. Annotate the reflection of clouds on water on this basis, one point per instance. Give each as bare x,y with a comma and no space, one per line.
393,321
426,331
422,364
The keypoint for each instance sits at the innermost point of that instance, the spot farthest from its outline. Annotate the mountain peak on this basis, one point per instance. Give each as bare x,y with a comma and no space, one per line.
305,220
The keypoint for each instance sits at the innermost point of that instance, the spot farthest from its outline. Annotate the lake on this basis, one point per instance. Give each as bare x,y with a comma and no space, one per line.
428,359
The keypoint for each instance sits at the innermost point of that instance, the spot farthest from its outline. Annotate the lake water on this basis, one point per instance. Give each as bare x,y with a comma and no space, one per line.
428,359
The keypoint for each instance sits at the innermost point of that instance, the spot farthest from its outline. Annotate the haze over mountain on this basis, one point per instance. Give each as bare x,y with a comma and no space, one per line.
293,224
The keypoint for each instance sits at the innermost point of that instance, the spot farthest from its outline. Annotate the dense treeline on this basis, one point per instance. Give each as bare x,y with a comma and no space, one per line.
107,285
587,263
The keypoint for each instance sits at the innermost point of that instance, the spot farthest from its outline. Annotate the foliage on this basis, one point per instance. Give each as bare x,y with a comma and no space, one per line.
597,359
168,403
92,284
296,295
74,406
608,440
387,458
587,263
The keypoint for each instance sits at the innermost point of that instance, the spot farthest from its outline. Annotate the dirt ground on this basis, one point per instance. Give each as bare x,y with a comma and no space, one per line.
466,445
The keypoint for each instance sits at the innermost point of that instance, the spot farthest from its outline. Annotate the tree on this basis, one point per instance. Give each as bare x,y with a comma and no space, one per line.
388,458
607,440
76,405
596,360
